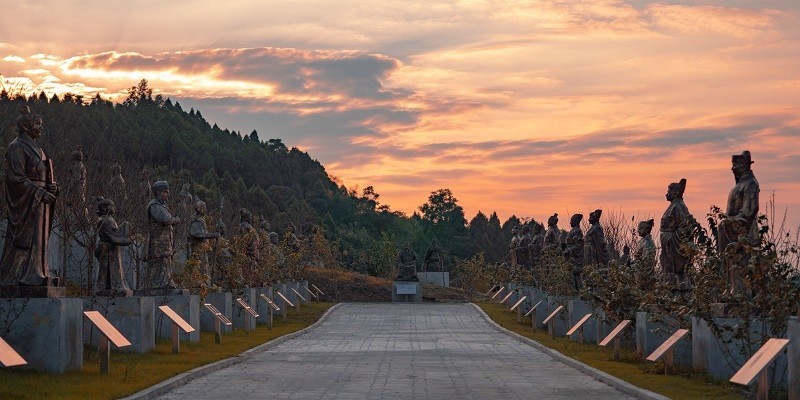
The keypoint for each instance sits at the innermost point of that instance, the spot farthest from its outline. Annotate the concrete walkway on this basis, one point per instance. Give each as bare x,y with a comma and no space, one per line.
395,351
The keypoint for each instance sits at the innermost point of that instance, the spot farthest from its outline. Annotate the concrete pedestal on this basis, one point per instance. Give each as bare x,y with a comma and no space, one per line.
262,307
435,278
577,309
406,292
134,318
47,333
188,307
224,303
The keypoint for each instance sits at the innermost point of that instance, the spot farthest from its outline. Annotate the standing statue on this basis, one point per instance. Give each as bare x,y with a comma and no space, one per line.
552,238
675,232
110,277
251,243
160,240
407,263
524,248
263,225
537,246
198,235
145,187
118,183
740,220
31,191
434,262
644,258
595,248
75,191
573,249
512,246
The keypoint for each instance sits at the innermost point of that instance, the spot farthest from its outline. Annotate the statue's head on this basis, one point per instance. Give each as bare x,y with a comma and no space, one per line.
553,220
200,206
273,237
185,187
575,219
538,228
29,124
264,224
675,190
515,230
594,216
526,229
741,163
77,155
105,206
407,246
245,215
161,190
645,227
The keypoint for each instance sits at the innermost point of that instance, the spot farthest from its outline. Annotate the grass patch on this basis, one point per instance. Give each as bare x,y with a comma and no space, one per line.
130,373
683,384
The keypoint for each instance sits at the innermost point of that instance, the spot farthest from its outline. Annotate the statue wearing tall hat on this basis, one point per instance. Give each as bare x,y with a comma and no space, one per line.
595,247
740,220
161,240
675,232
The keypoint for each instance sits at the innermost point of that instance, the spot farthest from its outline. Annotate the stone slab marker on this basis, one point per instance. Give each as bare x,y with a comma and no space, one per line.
187,306
134,317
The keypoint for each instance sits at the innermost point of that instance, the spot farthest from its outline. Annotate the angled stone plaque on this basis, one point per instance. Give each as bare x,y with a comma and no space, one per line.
533,309
502,289
9,357
246,307
518,302
108,330
270,302
668,344
759,361
176,319
614,333
553,314
579,324
303,299
213,310
311,293
317,289
506,298
284,299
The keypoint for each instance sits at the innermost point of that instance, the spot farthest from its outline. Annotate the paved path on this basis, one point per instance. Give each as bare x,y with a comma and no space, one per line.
395,351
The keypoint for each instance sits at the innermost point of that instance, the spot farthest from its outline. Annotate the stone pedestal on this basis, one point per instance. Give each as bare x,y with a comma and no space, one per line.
134,318
278,300
224,303
37,292
406,292
188,307
793,334
577,309
303,287
249,296
435,278
47,333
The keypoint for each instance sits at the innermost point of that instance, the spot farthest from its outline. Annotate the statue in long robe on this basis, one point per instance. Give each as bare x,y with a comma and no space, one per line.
595,247
161,240
644,258
675,232
573,249
30,194
198,235
110,277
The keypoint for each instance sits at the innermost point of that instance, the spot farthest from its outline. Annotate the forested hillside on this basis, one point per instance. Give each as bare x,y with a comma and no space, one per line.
152,137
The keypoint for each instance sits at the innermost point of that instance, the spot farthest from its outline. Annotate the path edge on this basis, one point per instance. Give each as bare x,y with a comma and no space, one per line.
181,379
595,373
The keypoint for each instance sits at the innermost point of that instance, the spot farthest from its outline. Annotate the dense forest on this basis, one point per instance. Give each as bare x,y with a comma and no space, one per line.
152,137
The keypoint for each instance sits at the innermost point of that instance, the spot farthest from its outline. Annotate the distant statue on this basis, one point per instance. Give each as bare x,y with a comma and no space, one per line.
513,245
595,248
161,240
644,258
110,277
75,191
537,244
407,263
118,183
434,260
198,235
31,191
675,233
263,225
291,239
145,188
552,238
740,220
524,259
247,230
573,249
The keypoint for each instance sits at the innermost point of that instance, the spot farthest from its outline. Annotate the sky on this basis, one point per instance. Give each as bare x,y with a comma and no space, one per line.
521,107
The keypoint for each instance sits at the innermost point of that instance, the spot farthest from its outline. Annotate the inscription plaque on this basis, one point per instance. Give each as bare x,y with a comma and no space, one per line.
9,357
406,288
668,344
614,333
579,324
528,314
518,302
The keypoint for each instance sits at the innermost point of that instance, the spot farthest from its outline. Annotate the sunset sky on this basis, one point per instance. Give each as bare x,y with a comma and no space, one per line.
519,107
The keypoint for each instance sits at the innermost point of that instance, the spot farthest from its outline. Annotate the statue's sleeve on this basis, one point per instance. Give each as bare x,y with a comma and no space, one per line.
749,210
16,160
197,230
160,214
113,234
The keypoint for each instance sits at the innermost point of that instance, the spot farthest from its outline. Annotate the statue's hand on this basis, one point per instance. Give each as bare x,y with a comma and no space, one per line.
52,188
48,198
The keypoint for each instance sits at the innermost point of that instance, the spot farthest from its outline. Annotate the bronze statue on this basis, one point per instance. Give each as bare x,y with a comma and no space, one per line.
246,229
552,238
198,235
524,258
644,258
118,182
110,277
675,232
537,244
75,191
512,246
407,263
263,225
31,191
595,248
740,219
434,262
573,249
161,241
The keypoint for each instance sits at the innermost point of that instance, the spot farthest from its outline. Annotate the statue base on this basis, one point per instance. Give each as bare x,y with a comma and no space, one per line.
32,292
224,303
114,293
134,317
406,292
188,307
161,292
435,278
